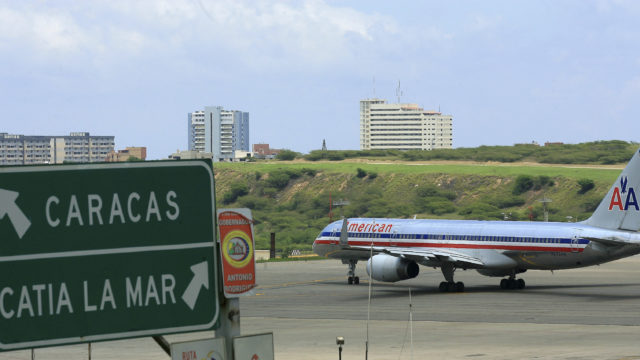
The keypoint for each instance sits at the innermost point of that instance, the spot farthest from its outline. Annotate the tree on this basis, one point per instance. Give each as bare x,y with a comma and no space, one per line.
286,155
237,190
523,184
585,185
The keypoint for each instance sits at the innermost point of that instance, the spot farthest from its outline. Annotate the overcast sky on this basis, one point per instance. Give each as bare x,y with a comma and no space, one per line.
508,71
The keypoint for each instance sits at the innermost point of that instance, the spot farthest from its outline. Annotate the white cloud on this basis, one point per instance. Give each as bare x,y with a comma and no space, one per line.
259,32
46,32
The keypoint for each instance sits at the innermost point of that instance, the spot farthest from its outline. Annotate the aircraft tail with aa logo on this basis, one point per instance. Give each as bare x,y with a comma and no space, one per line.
620,210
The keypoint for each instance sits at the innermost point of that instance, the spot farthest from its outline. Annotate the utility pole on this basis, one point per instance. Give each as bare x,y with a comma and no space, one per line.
544,202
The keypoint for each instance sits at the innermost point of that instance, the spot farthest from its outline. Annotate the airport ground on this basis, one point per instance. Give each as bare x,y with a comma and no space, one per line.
590,313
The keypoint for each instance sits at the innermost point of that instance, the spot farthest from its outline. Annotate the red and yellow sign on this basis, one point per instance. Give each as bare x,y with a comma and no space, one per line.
237,251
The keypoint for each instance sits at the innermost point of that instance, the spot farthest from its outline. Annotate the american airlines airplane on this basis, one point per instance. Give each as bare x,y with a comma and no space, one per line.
493,248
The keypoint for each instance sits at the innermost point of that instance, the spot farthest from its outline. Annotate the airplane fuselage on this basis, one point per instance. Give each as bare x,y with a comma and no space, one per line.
499,244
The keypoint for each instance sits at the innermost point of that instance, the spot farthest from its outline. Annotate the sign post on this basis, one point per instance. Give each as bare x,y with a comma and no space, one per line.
237,256
97,252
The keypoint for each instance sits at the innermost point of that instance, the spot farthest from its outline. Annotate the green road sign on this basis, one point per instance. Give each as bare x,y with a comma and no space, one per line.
105,251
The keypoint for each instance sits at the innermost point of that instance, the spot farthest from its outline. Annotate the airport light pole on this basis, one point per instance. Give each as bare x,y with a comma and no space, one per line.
340,342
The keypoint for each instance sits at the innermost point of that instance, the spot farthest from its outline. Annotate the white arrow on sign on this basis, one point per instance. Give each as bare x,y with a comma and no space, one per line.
200,279
9,207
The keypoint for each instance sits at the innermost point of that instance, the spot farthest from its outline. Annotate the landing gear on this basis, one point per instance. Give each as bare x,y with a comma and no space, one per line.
512,283
449,285
446,286
352,279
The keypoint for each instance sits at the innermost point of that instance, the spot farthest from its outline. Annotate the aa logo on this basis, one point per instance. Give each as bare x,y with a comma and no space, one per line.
620,192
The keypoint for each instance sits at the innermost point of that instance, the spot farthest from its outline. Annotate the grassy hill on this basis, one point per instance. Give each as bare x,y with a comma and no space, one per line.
597,152
292,198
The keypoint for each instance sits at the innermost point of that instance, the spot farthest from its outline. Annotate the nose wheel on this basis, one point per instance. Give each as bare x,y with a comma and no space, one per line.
352,279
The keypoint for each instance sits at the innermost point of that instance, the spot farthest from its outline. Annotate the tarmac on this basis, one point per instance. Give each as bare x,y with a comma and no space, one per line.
589,313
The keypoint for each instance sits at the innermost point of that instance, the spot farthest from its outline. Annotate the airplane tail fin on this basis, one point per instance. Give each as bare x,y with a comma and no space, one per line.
344,233
620,208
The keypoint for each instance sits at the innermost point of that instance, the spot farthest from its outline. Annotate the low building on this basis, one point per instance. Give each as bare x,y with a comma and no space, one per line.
263,151
37,149
190,155
139,153
241,155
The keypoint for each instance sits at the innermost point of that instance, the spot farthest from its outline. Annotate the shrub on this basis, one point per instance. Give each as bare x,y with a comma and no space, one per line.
286,155
585,185
481,211
293,173
269,191
441,207
543,181
237,190
434,191
503,201
373,175
360,173
335,156
253,202
278,179
316,155
310,172
523,184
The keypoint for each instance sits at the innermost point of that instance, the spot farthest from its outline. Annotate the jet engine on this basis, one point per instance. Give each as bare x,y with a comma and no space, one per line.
389,268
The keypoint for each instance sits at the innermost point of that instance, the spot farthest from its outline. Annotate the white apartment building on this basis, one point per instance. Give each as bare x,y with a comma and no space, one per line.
77,147
218,131
403,127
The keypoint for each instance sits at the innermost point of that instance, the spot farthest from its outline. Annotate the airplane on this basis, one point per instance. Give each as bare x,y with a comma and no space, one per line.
394,248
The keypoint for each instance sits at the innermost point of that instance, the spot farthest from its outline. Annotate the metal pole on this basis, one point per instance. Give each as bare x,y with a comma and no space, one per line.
272,248
89,350
229,322
340,352
33,354
229,318
164,344
411,321
366,344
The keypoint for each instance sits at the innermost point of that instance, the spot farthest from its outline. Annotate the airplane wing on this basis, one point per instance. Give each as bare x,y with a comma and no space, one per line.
425,255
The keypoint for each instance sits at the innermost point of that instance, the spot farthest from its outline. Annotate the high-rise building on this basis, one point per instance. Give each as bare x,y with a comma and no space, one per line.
403,127
77,147
218,131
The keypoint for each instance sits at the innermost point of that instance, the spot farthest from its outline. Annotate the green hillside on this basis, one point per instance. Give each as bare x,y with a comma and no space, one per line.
596,152
292,198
